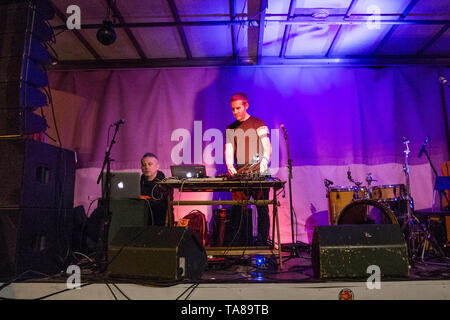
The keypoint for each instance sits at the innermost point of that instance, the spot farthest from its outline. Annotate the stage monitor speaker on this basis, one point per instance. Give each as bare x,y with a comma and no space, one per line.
34,239
154,252
346,251
36,175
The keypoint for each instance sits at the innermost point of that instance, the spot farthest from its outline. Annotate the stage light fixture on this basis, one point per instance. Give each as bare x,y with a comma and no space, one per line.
106,34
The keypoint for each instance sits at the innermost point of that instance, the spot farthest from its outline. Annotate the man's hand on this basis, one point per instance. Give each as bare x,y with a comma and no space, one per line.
232,170
263,166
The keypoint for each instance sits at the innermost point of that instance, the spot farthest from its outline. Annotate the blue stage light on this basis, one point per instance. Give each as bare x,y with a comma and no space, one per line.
259,261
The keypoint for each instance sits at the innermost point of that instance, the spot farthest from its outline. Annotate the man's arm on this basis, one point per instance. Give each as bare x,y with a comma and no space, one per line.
263,134
229,158
267,152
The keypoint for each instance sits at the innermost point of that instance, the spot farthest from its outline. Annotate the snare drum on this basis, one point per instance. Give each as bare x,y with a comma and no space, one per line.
390,192
339,197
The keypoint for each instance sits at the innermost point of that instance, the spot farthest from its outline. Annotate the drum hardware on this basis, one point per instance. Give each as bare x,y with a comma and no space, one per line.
430,239
418,235
328,183
359,188
410,225
427,235
369,180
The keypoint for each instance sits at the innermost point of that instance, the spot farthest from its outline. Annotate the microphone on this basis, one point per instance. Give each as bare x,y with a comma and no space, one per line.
282,127
443,81
349,175
422,150
118,123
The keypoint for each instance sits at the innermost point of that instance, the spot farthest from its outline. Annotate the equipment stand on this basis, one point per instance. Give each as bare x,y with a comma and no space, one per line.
293,246
417,231
101,259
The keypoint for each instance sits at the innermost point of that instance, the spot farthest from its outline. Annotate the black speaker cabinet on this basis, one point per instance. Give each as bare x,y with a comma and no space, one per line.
154,252
23,55
35,175
127,213
36,239
346,251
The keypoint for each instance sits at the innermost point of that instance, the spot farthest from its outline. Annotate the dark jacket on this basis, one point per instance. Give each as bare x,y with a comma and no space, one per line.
157,200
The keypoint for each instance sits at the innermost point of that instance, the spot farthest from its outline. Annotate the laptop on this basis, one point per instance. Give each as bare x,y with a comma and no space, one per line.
125,185
188,171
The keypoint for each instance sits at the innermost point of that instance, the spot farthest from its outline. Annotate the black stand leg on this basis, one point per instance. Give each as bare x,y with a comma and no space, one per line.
101,258
293,251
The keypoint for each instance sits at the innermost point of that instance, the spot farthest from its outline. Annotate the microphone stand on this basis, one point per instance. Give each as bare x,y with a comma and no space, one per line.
101,258
294,249
409,221
436,175
412,220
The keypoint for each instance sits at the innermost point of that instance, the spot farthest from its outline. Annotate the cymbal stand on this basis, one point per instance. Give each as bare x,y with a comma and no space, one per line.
428,236
358,185
369,180
416,232
410,220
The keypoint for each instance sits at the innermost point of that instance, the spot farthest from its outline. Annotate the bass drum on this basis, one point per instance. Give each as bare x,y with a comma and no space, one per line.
366,212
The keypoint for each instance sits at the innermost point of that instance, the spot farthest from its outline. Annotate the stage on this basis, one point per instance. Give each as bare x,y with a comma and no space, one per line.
238,279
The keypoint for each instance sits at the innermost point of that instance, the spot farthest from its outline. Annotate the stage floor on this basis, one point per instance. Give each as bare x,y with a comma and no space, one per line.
238,278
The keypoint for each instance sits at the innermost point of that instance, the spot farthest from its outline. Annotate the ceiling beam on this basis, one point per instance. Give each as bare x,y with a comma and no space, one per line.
127,30
354,61
433,39
234,47
308,21
77,34
337,36
181,33
253,11
287,28
395,26
262,18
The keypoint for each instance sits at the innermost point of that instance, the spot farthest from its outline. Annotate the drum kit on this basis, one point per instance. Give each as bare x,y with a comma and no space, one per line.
381,204
366,204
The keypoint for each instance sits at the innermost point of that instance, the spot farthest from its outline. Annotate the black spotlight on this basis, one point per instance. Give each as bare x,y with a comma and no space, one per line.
106,34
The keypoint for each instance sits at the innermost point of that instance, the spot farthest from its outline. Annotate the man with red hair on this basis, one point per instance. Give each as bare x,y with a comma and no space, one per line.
247,140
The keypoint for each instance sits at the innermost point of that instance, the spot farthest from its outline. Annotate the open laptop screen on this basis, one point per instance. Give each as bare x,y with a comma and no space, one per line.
188,171
125,185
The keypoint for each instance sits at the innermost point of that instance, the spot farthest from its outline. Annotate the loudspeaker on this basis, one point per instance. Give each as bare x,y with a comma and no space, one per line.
154,252
127,213
346,251
124,213
36,175
232,228
23,55
37,239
